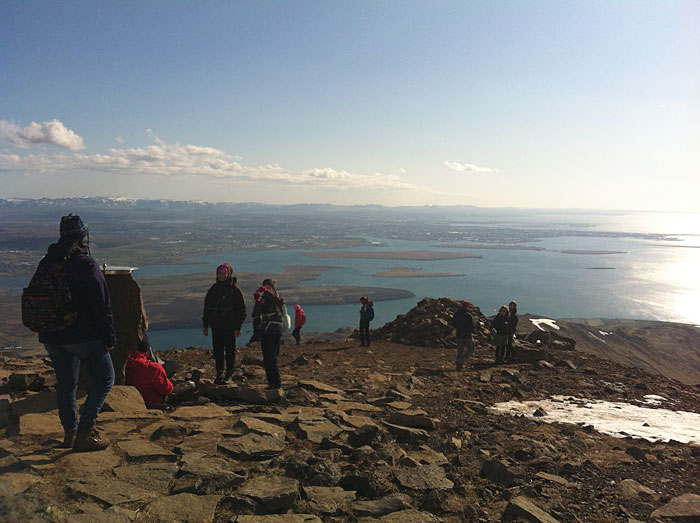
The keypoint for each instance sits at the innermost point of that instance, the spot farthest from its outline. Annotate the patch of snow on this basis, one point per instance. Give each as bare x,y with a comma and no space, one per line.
603,333
546,321
652,399
616,419
596,337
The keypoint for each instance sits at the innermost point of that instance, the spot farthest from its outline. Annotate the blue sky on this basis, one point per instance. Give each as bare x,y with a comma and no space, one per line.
587,104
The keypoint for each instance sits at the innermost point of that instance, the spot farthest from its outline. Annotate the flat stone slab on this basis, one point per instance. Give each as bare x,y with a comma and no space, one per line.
681,508
328,500
124,399
204,443
316,428
405,433
108,490
141,450
252,447
279,518
428,456
184,507
317,386
249,395
274,493
83,464
43,401
271,417
212,473
248,424
521,507
40,424
148,476
380,507
554,479
413,418
92,512
424,477
350,406
15,483
210,410
405,516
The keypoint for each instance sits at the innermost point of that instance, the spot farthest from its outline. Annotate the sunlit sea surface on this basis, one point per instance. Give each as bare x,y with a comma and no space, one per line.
655,279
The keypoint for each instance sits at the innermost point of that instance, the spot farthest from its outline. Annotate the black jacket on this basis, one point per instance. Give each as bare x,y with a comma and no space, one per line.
224,306
463,322
500,323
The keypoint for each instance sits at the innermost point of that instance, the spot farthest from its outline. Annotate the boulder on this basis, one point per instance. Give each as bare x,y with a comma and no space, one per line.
497,472
684,508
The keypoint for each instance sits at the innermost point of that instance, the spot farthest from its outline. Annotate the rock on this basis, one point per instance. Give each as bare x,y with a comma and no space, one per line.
124,399
328,500
204,443
681,508
521,507
405,433
364,435
187,507
107,490
497,472
423,477
248,395
315,428
141,450
632,490
318,387
554,479
413,418
169,432
539,413
212,473
42,401
82,464
251,447
408,516
381,507
636,453
14,483
25,381
279,518
257,426
210,410
427,456
91,512
273,493
149,476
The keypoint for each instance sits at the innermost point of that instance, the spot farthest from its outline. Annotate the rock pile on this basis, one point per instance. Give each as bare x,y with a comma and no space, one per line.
428,325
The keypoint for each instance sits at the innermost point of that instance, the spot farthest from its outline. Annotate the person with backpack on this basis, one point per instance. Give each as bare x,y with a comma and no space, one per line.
299,321
500,338
366,316
271,327
88,338
224,312
463,322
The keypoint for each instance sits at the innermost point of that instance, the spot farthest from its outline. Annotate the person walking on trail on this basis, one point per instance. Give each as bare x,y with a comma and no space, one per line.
513,324
502,328
88,340
224,312
299,321
366,316
256,316
463,322
271,331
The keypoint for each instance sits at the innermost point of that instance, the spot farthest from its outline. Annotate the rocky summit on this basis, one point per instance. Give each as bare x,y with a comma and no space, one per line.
387,433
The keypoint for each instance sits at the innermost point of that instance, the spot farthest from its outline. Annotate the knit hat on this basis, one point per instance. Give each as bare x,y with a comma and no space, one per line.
297,307
73,227
269,282
225,267
467,303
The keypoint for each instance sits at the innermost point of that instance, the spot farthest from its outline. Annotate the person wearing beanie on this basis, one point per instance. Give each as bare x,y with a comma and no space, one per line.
88,340
366,316
224,312
271,331
299,321
148,377
463,322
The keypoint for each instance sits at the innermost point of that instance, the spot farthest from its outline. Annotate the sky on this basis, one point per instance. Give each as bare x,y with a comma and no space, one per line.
542,104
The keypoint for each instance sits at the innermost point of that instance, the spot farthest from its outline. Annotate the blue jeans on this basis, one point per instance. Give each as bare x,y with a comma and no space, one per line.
66,359
270,344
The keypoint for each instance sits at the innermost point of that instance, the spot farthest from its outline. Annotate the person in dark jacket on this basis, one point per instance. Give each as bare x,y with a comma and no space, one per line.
366,316
88,341
513,324
148,377
255,315
502,328
463,322
224,312
271,331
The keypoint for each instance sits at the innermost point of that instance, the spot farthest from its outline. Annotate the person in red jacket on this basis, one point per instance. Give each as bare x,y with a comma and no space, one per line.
299,321
147,376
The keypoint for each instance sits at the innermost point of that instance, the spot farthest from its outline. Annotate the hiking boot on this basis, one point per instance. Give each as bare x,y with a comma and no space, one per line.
219,378
88,440
68,439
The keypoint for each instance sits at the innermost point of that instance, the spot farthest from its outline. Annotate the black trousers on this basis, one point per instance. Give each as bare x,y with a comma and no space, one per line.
295,333
270,345
224,343
364,332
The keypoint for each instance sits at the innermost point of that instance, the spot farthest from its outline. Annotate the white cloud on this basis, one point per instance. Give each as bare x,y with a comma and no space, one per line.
468,167
175,160
53,133
119,139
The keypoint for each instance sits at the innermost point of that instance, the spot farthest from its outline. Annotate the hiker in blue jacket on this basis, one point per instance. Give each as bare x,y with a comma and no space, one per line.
463,322
88,341
366,316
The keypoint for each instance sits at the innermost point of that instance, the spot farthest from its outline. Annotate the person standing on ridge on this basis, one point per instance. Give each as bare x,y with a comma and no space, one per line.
502,328
513,324
256,316
271,331
88,340
463,322
224,312
299,321
366,316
